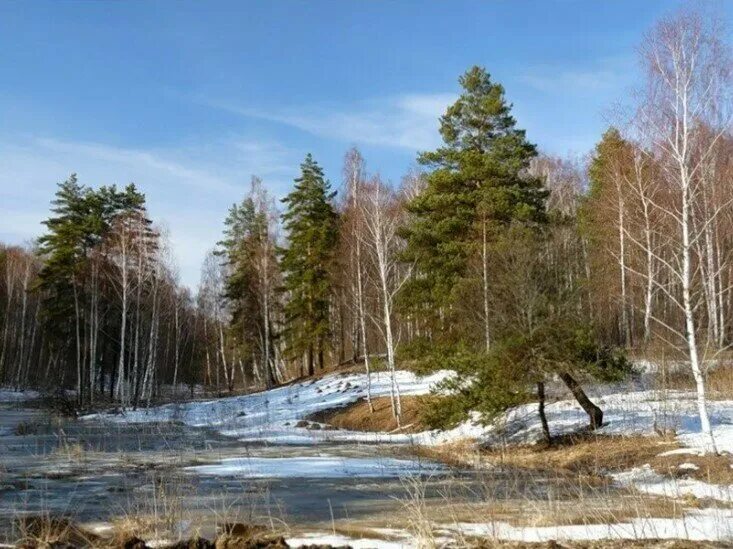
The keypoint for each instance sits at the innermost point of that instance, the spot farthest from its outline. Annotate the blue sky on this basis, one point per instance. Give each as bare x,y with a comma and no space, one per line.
189,99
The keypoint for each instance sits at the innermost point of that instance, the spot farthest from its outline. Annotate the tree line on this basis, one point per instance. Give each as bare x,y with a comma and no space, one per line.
505,264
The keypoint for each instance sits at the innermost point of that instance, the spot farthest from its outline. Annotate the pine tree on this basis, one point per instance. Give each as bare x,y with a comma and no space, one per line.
81,220
477,184
311,225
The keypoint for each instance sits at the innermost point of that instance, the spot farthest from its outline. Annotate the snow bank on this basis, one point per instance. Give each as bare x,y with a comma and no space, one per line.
629,413
272,416
698,525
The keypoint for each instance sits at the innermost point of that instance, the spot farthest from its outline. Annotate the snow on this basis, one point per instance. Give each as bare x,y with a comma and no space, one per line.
699,525
645,479
271,416
336,540
10,396
706,524
274,417
317,467
624,413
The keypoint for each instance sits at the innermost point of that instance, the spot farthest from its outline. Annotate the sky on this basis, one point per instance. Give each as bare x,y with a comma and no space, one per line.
190,99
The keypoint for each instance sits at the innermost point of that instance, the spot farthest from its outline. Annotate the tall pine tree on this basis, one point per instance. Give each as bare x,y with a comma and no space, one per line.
311,225
476,185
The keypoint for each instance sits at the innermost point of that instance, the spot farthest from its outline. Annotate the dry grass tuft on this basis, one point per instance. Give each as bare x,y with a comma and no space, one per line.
720,382
358,417
460,453
588,506
713,469
47,531
587,454
132,526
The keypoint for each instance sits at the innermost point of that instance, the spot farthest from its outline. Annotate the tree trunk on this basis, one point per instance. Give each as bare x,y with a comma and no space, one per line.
541,410
310,367
690,325
485,276
362,326
595,414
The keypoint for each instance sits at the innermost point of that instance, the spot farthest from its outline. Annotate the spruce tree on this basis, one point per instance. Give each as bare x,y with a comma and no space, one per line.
475,186
311,224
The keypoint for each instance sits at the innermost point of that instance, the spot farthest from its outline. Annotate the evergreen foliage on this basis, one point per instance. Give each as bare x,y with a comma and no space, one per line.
81,219
477,181
311,225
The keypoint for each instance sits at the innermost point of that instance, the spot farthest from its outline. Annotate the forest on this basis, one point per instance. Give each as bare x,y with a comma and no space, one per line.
490,258
500,346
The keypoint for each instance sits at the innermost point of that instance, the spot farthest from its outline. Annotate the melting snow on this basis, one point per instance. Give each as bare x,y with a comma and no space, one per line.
707,524
645,479
317,467
8,395
271,416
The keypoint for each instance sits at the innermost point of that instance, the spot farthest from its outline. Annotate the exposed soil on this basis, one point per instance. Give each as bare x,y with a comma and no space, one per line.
358,417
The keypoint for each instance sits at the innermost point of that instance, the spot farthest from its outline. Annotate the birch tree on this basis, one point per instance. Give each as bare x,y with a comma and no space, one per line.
682,117
354,173
382,216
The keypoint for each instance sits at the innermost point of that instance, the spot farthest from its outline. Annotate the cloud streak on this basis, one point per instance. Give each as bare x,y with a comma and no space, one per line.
608,74
407,121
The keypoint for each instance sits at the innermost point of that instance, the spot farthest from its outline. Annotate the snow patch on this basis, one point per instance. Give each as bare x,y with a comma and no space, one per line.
707,524
317,467
337,540
646,479
10,396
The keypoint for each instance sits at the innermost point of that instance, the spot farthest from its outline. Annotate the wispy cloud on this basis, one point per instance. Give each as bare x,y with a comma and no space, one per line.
188,188
607,74
407,121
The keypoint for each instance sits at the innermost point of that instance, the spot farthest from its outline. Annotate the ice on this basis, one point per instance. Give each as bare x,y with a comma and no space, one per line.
325,466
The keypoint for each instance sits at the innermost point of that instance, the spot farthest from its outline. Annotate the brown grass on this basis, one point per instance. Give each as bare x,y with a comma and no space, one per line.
719,381
586,455
590,506
358,417
711,468
461,453
583,454
590,458
47,531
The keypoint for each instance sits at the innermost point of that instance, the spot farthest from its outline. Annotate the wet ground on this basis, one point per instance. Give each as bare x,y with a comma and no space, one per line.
90,471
